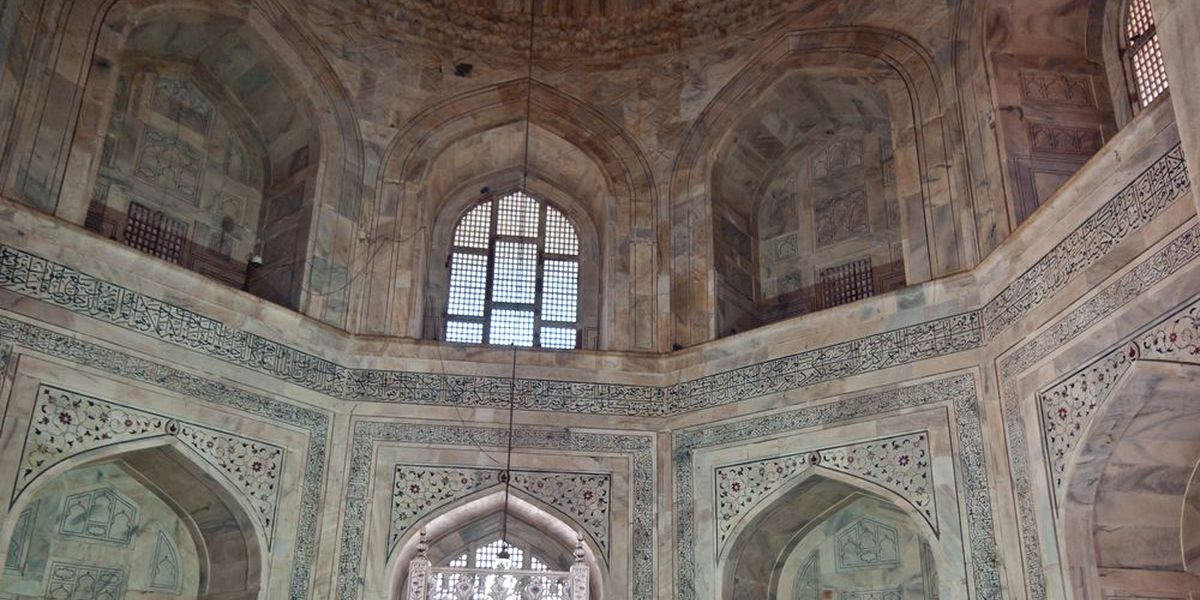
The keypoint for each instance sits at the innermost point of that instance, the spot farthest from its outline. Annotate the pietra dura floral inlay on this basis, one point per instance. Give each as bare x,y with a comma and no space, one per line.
66,424
898,463
315,423
957,391
1169,260
1067,408
418,491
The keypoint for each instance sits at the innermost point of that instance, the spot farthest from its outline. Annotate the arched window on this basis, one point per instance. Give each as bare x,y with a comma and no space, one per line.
1143,54
514,275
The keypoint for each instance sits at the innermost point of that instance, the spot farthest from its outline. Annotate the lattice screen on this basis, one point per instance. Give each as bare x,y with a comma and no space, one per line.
1145,52
155,233
847,283
514,276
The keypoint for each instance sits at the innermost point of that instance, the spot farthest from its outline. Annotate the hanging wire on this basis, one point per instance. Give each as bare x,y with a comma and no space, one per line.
512,382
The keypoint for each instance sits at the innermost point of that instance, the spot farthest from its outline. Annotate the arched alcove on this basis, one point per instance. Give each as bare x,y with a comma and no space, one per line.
480,518
806,207
1056,77
898,82
825,535
580,151
218,119
1126,527
138,518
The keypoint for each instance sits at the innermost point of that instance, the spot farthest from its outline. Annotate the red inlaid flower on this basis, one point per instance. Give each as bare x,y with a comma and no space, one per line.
64,418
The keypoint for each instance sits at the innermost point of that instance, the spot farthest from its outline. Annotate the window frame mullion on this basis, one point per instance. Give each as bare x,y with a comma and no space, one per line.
493,216
539,275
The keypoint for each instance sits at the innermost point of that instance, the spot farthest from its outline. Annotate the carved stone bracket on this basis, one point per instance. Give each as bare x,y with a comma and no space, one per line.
65,424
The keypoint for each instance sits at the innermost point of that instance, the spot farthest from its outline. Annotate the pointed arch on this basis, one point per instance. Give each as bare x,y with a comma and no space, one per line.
766,535
53,157
624,206
559,530
931,176
1138,450
230,543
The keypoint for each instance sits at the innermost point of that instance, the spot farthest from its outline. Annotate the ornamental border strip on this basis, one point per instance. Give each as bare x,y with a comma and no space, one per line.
316,423
169,428
959,390
367,433
1167,261
601,537
36,277
1156,188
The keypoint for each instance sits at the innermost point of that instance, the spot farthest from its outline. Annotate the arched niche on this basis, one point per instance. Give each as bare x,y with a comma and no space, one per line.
578,149
479,517
1059,91
936,206
264,79
805,186
1126,517
146,517
824,516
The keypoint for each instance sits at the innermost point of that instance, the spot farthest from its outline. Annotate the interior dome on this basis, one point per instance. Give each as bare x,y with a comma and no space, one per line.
571,28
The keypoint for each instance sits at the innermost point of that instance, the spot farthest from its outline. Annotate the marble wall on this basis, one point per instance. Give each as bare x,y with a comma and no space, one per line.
1009,416
100,515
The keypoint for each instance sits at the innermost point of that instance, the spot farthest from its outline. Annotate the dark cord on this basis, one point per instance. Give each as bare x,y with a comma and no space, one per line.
512,383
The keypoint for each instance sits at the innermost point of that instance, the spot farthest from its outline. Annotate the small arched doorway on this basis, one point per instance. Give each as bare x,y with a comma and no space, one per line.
827,538
145,521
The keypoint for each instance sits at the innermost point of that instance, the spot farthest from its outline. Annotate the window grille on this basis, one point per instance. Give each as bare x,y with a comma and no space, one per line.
486,556
847,283
155,233
478,574
1144,53
514,276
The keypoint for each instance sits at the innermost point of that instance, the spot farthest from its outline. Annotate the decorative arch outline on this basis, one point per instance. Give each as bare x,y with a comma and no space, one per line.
404,211
941,186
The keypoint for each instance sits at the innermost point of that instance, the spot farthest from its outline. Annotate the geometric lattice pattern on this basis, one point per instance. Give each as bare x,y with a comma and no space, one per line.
846,283
514,276
154,233
65,424
1145,52
899,463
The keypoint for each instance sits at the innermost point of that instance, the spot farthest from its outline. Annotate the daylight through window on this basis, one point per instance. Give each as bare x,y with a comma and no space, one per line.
1144,53
514,275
